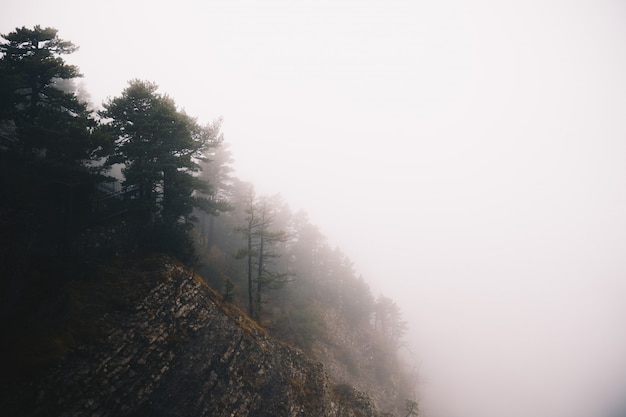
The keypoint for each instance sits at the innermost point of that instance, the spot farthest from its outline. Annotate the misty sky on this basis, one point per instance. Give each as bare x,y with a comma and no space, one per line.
469,156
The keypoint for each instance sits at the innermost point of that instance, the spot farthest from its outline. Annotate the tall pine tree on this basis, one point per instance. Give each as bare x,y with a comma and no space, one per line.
160,148
46,146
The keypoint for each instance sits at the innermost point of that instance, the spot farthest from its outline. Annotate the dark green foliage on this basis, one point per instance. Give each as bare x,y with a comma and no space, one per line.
160,148
168,238
47,146
48,120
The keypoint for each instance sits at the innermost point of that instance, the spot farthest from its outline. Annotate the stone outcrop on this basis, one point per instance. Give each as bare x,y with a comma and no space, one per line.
352,356
177,350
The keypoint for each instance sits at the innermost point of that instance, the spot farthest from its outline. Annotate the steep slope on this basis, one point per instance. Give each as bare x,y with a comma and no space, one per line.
173,349
359,357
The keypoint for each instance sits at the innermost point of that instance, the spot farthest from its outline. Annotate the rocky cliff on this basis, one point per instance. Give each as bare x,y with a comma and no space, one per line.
357,357
168,346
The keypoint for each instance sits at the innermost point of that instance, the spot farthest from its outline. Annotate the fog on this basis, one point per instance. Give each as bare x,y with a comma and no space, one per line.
469,156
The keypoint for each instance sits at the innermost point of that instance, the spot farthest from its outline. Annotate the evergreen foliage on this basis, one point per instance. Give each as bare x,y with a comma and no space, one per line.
160,148
178,186
49,121
47,149
261,250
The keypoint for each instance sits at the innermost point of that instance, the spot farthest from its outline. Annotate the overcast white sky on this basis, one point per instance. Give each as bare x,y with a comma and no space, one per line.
470,156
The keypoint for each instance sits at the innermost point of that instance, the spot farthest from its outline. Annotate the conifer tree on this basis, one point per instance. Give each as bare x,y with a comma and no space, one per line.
46,146
49,122
47,132
260,251
160,148
217,171
249,251
267,238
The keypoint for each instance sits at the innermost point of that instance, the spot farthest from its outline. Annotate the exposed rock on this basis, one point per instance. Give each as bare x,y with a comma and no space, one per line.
355,357
176,350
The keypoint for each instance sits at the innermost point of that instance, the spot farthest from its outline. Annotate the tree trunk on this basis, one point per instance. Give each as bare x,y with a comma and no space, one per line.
259,281
250,297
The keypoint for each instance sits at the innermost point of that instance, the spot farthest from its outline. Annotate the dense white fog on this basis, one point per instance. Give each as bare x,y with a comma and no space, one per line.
469,156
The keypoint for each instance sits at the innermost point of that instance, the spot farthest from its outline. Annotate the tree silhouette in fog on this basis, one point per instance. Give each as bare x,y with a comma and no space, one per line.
160,148
48,146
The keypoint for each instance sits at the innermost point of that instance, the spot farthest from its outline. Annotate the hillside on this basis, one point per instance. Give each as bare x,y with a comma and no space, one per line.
147,338
92,333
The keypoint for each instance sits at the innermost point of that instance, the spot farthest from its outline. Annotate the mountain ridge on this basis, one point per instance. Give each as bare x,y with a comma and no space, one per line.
175,349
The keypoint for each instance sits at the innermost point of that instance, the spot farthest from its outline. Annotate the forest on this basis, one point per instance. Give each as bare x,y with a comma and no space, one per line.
82,186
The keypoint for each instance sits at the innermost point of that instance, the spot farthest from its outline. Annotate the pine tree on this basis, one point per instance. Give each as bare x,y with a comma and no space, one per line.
260,251
217,171
160,148
46,149
49,121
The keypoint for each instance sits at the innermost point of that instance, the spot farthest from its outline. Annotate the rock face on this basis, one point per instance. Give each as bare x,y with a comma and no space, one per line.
352,357
178,351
